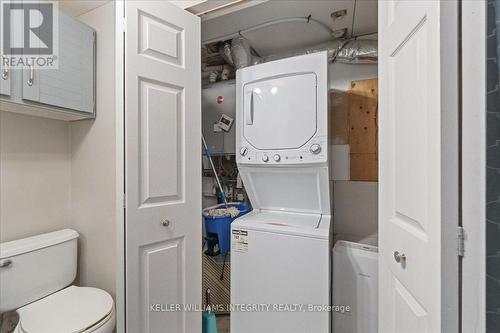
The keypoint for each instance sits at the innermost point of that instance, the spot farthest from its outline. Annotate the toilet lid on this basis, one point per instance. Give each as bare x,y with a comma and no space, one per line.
70,310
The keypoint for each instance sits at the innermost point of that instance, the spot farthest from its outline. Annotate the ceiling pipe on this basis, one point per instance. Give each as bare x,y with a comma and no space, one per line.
353,51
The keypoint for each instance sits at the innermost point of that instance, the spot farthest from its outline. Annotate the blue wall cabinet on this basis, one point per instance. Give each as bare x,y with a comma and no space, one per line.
67,92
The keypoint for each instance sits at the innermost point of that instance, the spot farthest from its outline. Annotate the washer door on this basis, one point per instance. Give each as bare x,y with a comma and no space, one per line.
280,112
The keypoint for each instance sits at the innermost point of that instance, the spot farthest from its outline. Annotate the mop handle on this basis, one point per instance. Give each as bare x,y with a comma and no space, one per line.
213,169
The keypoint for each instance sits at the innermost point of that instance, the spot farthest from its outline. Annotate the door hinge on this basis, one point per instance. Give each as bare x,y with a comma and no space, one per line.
124,24
460,241
124,200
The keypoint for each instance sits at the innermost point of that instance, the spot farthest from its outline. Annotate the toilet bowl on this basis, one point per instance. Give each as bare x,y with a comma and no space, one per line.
71,310
36,275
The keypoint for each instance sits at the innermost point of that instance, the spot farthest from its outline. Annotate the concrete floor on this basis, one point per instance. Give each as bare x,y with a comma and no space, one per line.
223,323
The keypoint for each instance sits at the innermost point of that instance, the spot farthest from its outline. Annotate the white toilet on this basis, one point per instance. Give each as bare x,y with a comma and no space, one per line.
36,274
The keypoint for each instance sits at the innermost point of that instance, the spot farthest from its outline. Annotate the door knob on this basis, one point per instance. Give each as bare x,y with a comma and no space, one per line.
165,223
400,257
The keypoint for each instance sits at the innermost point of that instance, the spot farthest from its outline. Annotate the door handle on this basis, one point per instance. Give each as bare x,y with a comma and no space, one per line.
400,258
6,263
31,78
249,115
5,71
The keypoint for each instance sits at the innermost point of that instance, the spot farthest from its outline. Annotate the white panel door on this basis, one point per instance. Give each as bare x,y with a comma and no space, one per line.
163,167
418,191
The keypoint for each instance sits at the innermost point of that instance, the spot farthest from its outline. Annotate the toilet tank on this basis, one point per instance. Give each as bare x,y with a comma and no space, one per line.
32,268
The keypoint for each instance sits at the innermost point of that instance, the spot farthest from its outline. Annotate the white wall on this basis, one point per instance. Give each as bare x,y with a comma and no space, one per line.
93,156
79,7
355,207
34,176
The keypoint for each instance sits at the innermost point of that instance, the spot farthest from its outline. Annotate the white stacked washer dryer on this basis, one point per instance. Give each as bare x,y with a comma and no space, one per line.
280,252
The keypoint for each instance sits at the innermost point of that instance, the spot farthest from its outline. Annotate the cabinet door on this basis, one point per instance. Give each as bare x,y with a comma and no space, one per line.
71,85
5,77
4,69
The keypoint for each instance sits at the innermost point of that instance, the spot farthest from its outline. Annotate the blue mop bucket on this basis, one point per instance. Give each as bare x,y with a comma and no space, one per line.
221,225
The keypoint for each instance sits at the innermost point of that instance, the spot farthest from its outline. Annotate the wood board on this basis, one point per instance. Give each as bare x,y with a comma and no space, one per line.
363,107
363,130
354,121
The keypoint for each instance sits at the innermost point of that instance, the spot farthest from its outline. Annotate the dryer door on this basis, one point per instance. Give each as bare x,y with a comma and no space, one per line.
280,112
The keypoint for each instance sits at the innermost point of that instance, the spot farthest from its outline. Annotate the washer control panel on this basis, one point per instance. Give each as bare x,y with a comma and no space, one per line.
314,151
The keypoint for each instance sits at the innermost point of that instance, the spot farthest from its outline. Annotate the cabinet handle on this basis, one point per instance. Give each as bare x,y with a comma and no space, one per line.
5,71
32,76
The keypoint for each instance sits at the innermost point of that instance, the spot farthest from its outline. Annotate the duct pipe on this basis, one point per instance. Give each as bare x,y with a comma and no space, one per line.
354,51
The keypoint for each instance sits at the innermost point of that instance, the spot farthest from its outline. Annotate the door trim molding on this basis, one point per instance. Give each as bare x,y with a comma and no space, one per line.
450,164
120,165
474,165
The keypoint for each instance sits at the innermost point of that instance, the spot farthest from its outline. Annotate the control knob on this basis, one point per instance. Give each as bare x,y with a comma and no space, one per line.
277,158
315,148
243,151
265,158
